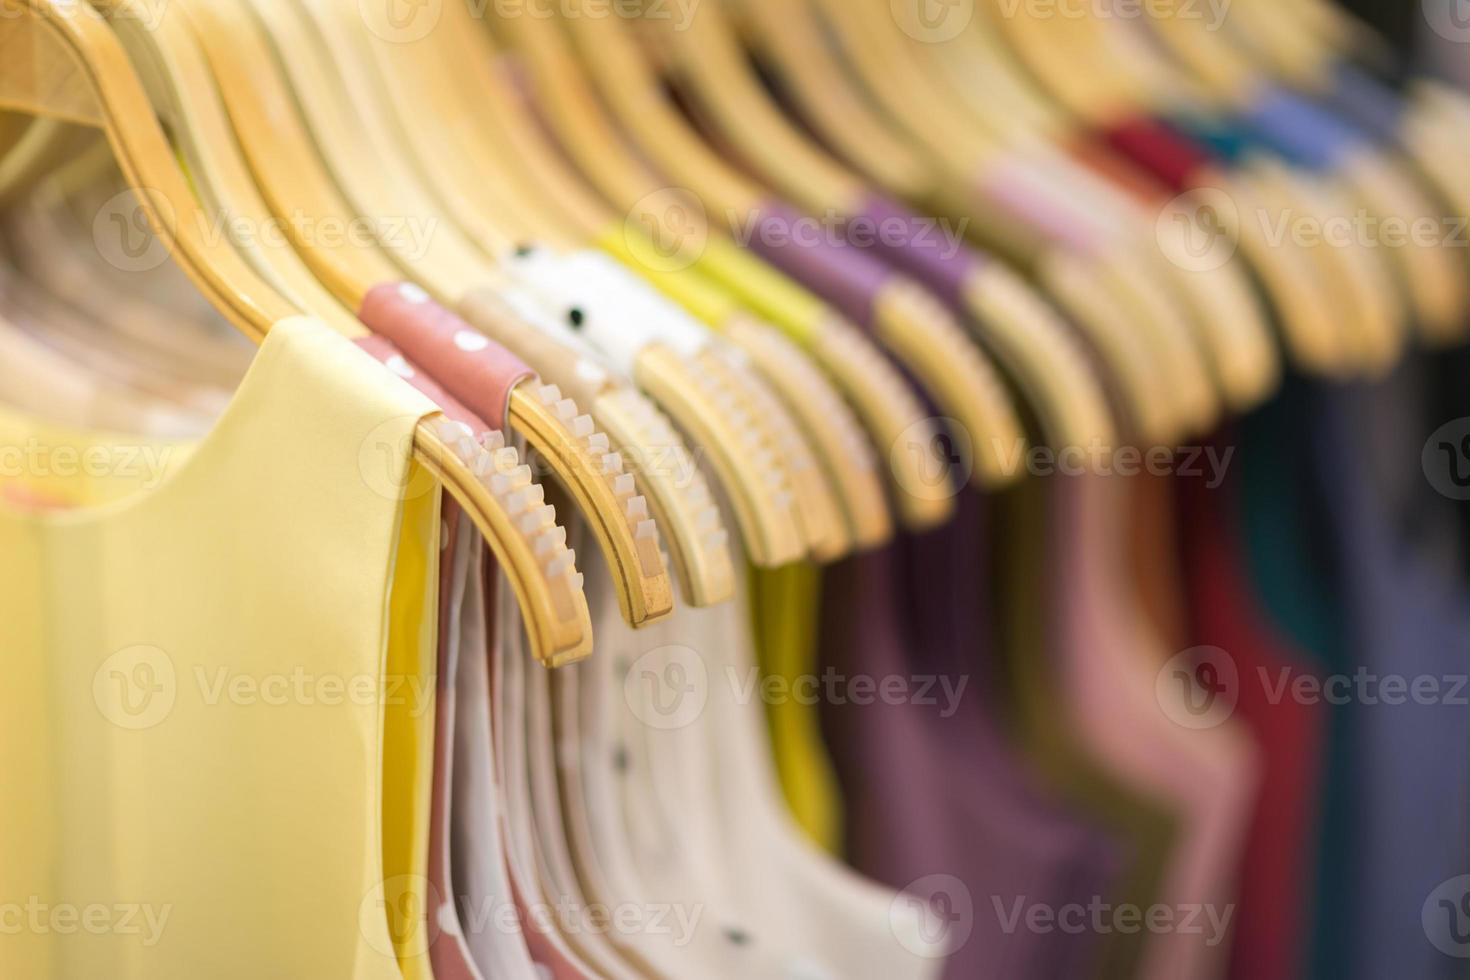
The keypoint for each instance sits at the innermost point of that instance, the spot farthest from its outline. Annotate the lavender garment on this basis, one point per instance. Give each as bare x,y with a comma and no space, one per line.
919,247
1409,617
926,817
848,278
1300,131
945,599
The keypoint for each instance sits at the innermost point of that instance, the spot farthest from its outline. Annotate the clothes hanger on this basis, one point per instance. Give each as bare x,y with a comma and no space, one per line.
870,385
1204,317
390,190
679,504
543,175
921,335
404,85
423,72
1231,324
1432,282
551,424
816,506
706,60
983,74
698,400
1068,57
1096,298
1291,43
63,63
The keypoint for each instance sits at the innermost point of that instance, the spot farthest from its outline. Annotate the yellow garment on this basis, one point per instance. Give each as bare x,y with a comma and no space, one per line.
192,730
784,605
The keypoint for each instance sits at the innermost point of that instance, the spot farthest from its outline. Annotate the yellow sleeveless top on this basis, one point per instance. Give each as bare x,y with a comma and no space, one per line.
212,655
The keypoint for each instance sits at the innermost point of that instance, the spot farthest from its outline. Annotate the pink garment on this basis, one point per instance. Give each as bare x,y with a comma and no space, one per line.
1111,670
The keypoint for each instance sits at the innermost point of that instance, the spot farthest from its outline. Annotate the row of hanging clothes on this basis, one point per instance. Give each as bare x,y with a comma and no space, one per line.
806,489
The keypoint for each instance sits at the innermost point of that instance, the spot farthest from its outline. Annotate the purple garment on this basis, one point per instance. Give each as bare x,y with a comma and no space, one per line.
915,244
936,802
848,278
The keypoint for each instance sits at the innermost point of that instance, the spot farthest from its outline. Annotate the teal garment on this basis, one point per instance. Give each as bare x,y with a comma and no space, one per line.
1292,565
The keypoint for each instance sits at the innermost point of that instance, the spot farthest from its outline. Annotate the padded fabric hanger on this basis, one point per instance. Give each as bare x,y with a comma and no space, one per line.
905,318
68,65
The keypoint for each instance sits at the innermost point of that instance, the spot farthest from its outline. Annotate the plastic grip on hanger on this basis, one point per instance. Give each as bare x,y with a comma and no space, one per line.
618,314
384,352
1007,183
1300,131
949,274
1172,158
473,366
851,280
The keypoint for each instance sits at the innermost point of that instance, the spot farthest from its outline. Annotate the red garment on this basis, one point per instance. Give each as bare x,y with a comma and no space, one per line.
1272,924
1174,159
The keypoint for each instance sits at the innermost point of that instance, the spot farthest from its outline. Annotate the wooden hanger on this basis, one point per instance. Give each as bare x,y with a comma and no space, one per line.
1324,332
1112,329
1434,284
63,63
914,327
294,183
764,508
416,73
879,396
706,57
